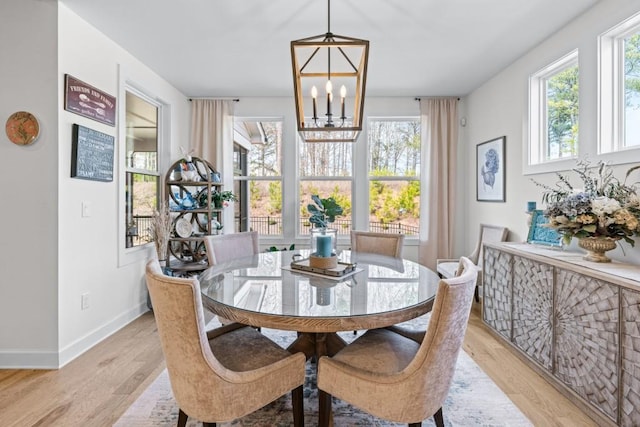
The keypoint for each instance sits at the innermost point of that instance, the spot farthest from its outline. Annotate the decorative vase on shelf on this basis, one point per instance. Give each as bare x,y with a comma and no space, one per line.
596,247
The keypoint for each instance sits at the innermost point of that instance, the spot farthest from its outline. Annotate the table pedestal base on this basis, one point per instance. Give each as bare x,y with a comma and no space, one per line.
317,344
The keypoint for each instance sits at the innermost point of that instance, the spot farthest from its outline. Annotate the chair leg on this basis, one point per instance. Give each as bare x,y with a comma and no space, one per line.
298,406
415,424
182,418
476,294
437,417
324,409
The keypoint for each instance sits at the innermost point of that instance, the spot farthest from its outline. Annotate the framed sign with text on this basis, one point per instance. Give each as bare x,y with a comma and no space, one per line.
91,154
87,101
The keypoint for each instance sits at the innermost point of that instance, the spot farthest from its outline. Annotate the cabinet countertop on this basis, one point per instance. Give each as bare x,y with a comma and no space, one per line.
623,274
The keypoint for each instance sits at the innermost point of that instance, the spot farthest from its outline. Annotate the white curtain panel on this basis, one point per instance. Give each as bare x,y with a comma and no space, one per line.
212,140
439,132
212,129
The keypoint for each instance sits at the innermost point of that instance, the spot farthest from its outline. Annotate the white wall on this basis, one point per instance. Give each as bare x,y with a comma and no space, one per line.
49,254
499,107
28,247
89,247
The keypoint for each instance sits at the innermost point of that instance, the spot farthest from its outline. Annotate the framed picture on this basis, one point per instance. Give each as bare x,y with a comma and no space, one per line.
87,101
91,154
490,167
541,235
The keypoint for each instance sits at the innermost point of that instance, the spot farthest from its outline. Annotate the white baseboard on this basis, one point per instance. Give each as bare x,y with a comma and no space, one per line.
53,360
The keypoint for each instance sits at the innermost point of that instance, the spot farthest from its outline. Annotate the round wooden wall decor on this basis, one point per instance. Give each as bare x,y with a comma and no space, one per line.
22,128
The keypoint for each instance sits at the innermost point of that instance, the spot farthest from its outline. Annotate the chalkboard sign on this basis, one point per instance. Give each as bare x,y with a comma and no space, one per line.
91,154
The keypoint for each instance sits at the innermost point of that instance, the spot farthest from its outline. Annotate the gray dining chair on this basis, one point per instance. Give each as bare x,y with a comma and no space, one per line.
401,375
447,268
222,374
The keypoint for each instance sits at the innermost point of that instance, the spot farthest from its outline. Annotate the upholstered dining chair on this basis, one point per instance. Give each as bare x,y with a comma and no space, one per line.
227,247
398,374
389,244
222,374
447,268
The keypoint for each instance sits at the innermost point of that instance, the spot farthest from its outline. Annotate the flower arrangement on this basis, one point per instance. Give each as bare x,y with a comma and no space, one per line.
604,207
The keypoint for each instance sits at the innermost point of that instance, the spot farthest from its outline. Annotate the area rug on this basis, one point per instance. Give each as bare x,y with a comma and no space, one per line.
474,400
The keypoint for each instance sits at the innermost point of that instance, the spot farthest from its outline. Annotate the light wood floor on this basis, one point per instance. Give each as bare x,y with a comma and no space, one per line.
99,386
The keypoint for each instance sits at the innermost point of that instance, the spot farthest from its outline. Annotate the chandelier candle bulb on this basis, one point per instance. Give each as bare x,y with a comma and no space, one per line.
314,95
343,94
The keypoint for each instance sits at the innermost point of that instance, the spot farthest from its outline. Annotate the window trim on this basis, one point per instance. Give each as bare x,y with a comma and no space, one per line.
139,253
538,120
369,177
611,108
248,178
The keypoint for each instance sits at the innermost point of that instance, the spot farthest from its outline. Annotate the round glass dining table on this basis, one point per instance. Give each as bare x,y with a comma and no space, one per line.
264,291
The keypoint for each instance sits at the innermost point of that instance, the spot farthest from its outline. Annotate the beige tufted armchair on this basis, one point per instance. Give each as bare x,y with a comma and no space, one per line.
223,374
377,243
400,375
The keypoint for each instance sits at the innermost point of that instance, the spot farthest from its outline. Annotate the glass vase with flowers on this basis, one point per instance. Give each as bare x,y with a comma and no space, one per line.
601,212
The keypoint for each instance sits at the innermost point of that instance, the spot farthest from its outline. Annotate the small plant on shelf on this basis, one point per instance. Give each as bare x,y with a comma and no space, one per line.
222,198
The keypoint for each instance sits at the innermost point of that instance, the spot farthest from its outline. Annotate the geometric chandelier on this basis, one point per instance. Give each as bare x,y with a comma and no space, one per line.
336,65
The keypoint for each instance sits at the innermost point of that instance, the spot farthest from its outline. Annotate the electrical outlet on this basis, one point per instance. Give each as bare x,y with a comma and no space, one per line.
85,301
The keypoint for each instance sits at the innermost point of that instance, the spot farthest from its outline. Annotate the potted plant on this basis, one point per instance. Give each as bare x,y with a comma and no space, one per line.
323,239
221,198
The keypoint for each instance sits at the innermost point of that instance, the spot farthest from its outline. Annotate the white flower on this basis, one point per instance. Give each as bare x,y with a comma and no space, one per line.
602,206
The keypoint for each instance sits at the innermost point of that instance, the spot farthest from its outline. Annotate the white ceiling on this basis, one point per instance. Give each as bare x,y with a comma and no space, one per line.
241,47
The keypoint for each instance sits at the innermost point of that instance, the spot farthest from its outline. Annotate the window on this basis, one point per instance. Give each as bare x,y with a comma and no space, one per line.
325,169
258,176
142,177
619,88
394,175
553,111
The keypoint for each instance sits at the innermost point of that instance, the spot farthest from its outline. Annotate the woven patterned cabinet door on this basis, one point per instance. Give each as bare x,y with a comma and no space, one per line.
586,349
496,303
630,381
533,309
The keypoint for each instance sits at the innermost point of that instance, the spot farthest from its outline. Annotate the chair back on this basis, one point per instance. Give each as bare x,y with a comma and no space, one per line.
227,247
488,234
435,361
377,243
177,307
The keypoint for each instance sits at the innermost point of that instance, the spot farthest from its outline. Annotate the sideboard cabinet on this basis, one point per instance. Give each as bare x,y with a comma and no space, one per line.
576,322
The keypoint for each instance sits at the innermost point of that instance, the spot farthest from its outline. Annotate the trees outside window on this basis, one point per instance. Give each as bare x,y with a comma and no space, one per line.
325,169
554,111
394,175
141,174
259,145
632,90
619,88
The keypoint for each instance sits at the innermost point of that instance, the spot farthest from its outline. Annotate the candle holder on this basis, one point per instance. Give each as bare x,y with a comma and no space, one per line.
324,243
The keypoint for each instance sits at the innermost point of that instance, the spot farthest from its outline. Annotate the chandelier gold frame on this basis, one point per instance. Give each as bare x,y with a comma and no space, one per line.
312,61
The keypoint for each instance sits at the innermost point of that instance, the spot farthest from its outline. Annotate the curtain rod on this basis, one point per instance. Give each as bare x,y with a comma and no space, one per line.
234,99
435,97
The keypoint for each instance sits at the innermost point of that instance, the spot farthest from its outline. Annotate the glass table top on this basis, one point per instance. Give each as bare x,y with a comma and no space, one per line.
265,284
